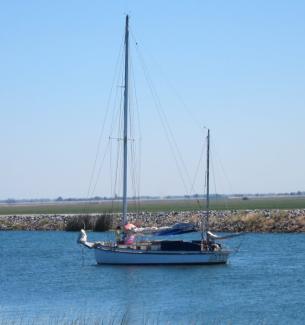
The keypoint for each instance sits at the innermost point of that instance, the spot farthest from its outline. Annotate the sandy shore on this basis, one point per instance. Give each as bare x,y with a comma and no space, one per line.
227,221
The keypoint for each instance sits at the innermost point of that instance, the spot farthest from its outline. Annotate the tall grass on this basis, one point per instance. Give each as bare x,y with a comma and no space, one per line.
95,223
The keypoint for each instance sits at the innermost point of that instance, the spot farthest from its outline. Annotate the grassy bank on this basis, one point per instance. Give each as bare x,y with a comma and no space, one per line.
154,206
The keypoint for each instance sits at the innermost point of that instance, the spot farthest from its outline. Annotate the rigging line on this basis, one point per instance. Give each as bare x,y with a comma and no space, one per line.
133,86
137,185
116,133
132,130
225,175
132,168
139,172
219,196
137,114
104,121
118,112
182,162
163,121
118,98
172,86
205,183
172,147
130,111
131,160
197,168
223,169
119,175
226,203
135,171
100,168
167,125
117,106
132,171
197,172
111,176
213,172
132,165
116,170
117,116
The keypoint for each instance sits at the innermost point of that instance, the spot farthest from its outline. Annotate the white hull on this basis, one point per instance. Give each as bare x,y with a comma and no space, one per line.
138,257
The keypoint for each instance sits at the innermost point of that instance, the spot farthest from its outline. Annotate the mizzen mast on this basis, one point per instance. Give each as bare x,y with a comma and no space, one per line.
125,134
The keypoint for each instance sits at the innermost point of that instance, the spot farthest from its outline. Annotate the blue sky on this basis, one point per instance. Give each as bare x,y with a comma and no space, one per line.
238,66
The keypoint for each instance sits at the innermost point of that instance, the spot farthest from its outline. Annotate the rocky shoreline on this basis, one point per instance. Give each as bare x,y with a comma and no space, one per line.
224,221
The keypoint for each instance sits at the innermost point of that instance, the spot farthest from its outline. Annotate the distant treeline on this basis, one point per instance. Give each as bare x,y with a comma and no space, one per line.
147,197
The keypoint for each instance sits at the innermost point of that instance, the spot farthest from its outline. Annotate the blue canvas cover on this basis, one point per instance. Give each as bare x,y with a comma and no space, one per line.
177,229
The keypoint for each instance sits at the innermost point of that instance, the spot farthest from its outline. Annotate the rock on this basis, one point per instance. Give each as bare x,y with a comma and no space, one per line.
227,221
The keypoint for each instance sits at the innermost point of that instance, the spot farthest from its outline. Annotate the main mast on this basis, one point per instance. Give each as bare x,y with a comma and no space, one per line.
208,187
125,135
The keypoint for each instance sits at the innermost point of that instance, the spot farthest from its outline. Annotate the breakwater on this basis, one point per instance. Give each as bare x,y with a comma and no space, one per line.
224,221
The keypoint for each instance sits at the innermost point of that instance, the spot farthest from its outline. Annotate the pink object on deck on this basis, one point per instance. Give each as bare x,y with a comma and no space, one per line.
129,226
129,240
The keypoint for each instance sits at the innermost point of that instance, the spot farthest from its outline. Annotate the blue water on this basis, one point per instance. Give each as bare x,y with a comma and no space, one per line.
45,277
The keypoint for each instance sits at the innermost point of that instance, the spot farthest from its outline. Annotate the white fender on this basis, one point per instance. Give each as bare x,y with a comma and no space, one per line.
83,239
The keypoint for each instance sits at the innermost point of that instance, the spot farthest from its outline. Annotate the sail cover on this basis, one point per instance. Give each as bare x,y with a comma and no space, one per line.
177,229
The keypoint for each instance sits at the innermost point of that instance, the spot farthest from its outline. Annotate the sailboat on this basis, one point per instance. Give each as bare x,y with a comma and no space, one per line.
125,251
